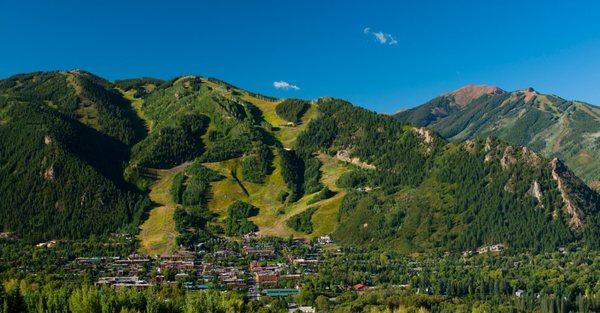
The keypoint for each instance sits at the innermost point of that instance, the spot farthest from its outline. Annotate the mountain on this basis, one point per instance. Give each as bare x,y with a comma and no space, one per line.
65,140
86,155
550,125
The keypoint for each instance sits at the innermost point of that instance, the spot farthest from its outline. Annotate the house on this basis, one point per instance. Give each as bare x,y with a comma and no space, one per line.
179,265
195,286
324,240
259,251
293,307
181,276
126,281
179,256
519,293
256,267
224,254
133,259
304,262
234,283
90,261
249,236
359,287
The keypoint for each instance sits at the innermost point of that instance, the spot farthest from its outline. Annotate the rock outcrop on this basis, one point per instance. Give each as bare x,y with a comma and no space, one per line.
344,155
560,174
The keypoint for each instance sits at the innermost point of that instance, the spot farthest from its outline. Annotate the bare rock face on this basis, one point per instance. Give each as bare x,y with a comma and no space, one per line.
344,155
536,191
510,185
530,157
424,133
463,96
470,145
529,94
508,158
561,175
47,140
488,144
426,136
49,173
595,184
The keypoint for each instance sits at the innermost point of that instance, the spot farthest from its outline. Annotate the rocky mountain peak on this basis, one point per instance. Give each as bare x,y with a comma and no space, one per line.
468,93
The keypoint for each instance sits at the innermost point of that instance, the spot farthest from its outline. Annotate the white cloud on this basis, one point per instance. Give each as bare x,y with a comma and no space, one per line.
381,37
285,85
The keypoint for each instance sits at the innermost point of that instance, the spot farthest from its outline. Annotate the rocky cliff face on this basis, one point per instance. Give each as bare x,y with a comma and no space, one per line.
564,178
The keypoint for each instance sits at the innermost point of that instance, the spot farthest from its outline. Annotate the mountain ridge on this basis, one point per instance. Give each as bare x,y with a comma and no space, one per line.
222,161
549,124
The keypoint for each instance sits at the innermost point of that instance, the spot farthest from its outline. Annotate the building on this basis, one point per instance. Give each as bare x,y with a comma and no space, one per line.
305,262
178,265
195,286
324,240
266,277
281,292
359,287
182,255
519,293
259,251
125,281
256,267
293,307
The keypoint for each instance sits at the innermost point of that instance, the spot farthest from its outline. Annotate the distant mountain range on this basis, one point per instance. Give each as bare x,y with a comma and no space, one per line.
182,160
548,124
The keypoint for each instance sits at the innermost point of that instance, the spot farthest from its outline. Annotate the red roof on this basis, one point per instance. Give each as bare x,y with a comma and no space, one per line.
359,286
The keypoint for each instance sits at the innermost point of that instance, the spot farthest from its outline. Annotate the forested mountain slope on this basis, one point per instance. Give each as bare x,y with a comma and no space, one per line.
569,130
64,143
220,161
421,192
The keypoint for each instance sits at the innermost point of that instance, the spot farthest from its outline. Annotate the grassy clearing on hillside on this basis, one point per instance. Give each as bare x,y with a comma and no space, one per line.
273,215
158,234
136,103
286,134
325,219
228,190
87,112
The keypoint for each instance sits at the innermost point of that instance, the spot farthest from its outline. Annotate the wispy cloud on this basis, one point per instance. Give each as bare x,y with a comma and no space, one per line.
285,85
381,37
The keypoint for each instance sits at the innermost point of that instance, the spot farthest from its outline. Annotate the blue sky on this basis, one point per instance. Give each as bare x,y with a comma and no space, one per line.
320,47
